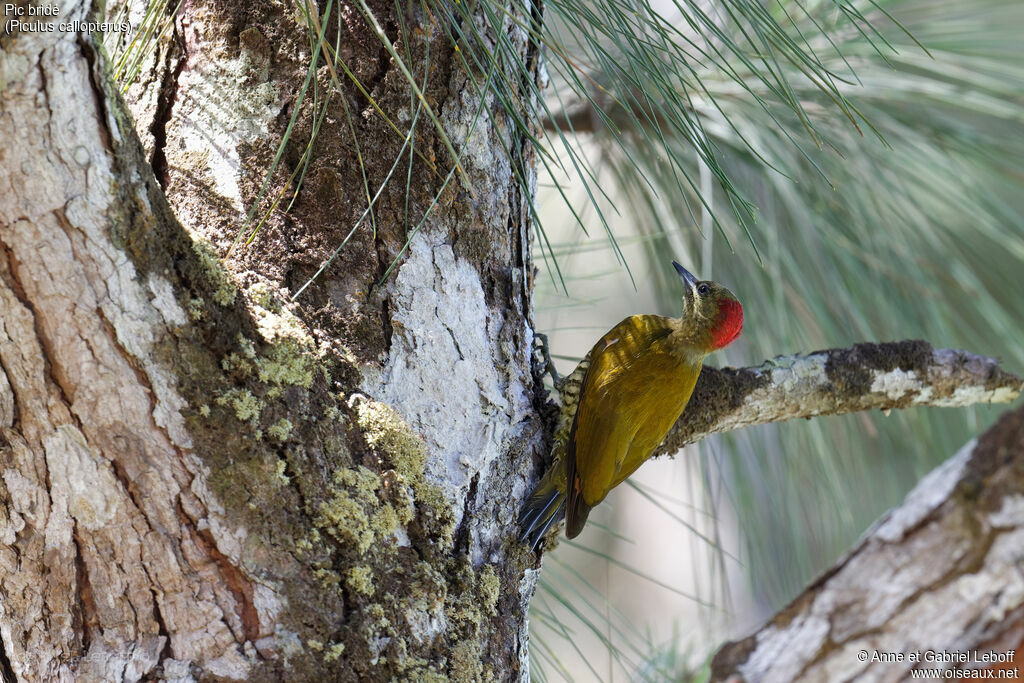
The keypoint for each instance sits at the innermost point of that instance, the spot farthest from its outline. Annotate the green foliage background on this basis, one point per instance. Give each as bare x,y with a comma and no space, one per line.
876,195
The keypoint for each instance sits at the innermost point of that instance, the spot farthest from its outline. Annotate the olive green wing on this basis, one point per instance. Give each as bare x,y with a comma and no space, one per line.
625,366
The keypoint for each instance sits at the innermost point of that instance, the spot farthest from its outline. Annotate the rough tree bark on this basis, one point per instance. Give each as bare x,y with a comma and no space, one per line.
882,376
936,583
203,480
200,479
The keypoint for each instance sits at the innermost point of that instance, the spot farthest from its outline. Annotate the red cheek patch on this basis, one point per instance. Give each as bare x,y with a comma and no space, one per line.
729,324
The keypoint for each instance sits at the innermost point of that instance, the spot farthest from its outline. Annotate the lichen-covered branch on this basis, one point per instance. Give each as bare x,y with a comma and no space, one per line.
935,584
880,376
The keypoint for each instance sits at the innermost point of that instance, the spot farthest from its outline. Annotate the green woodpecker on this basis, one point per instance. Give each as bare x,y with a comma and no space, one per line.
621,400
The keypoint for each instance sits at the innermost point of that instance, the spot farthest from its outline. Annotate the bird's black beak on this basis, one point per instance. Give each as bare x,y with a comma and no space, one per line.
689,278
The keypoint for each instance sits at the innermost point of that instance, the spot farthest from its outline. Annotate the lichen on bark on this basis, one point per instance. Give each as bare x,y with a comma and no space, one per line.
331,492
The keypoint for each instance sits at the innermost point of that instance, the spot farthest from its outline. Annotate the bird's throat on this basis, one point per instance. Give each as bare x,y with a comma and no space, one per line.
728,325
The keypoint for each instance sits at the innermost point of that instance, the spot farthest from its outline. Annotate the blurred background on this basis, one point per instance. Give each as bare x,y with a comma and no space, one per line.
867,185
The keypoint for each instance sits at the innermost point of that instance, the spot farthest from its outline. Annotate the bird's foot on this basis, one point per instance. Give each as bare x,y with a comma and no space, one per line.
545,351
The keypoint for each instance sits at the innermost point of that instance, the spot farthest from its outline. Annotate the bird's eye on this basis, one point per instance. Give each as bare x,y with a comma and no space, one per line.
703,289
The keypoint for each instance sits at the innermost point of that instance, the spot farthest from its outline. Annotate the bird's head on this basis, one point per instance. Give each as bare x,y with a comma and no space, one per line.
713,313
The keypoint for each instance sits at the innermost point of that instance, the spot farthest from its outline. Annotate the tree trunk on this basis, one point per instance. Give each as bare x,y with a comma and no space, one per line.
201,479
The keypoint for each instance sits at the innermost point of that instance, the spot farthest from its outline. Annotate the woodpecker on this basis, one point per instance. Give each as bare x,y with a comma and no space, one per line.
622,399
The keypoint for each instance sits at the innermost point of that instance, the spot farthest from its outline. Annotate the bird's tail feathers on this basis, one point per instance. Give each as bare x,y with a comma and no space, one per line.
543,508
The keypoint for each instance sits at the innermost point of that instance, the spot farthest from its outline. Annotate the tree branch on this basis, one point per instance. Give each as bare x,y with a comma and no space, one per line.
836,381
580,120
585,118
935,583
